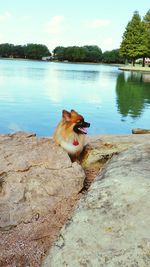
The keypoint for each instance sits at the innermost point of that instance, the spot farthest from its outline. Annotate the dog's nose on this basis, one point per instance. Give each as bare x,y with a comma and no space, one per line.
87,124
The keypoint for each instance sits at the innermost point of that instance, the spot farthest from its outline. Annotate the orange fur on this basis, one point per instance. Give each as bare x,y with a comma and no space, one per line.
66,137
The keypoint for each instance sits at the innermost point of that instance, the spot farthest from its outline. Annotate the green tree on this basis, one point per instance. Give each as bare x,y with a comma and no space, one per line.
68,55
59,53
93,53
36,51
146,21
6,50
31,51
18,51
112,56
144,48
75,54
78,53
134,43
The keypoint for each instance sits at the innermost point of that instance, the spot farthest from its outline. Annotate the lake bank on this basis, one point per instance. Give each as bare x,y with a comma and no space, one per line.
135,68
64,62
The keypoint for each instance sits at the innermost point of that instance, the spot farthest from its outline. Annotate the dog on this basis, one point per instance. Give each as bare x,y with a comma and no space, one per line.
70,133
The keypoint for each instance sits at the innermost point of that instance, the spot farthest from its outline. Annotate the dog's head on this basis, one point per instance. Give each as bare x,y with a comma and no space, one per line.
76,121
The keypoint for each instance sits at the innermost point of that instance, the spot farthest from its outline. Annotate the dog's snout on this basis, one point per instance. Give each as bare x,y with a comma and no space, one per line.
87,124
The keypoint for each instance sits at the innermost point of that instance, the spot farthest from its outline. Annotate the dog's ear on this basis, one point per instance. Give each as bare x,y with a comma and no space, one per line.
73,111
66,115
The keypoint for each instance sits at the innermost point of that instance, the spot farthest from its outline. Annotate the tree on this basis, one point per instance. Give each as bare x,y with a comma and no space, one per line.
36,51
143,46
86,53
93,53
112,56
146,21
59,52
6,50
75,54
18,51
134,43
31,51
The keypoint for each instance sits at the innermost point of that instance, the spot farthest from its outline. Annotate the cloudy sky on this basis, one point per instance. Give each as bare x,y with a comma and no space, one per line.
67,22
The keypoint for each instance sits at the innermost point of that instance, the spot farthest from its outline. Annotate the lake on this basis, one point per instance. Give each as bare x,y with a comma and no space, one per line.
34,93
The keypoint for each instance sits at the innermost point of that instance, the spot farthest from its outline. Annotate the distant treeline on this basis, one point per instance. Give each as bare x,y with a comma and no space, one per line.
29,51
88,53
135,44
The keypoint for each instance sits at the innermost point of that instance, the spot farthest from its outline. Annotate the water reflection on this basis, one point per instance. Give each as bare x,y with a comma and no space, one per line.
77,74
21,69
73,86
133,95
33,95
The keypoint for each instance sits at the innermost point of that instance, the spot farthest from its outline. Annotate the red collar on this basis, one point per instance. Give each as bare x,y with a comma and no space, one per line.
75,142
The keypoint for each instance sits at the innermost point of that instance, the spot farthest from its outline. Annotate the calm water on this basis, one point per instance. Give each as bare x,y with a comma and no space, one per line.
33,94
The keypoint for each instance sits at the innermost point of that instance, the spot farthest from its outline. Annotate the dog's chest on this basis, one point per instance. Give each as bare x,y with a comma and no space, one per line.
73,146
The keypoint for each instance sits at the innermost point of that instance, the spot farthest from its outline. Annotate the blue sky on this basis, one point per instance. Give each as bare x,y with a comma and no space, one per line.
67,22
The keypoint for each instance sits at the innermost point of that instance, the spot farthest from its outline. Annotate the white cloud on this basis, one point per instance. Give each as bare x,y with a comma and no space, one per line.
98,23
56,25
109,43
5,16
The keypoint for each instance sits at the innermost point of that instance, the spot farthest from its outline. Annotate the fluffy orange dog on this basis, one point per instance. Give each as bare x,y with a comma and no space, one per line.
70,133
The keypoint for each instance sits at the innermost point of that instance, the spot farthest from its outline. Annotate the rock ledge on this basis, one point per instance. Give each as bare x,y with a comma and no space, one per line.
110,226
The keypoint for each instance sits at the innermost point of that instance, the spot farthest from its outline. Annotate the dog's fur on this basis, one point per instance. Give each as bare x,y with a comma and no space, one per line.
70,133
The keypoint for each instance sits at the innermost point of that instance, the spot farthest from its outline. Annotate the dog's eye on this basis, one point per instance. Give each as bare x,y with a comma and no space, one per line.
78,121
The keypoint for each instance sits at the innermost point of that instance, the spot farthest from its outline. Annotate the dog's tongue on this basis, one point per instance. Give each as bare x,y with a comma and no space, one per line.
84,130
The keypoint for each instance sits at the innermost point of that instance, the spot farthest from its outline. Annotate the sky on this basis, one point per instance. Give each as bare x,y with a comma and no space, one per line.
67,22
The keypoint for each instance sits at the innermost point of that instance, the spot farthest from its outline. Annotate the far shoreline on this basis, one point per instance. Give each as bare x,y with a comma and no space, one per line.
64,62
120,66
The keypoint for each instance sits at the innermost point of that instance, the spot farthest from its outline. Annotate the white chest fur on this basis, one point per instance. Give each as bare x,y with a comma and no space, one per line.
71,148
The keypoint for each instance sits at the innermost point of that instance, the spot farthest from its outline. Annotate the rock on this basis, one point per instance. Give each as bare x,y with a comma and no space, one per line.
39,187
35,174
140,131
99,152
101,148
110,226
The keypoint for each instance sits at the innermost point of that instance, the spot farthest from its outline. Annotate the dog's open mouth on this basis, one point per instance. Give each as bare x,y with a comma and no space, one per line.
81,127
82,130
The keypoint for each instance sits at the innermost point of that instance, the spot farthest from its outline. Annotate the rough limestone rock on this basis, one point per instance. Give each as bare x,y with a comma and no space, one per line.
35,174
111,225
101,148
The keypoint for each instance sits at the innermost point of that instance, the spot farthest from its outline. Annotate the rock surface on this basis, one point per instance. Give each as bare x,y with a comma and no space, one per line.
100,149
103,147
39,189
111,225
35,177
